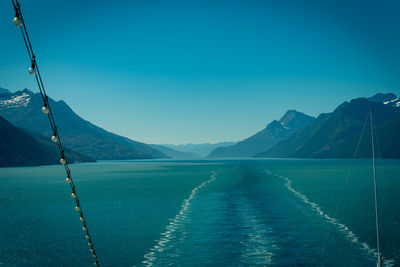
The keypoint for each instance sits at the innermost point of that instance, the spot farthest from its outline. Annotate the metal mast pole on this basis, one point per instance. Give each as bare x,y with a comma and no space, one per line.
379,262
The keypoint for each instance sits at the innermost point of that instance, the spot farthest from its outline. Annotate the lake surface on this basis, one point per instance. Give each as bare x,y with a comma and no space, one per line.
201,213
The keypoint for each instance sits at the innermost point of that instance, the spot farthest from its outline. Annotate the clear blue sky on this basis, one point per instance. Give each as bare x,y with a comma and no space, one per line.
202,71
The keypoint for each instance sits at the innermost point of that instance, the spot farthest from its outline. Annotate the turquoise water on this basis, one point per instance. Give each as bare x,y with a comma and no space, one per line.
201,213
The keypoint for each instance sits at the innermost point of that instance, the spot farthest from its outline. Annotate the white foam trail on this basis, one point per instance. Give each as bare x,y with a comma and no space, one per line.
174,224
259,243
342,227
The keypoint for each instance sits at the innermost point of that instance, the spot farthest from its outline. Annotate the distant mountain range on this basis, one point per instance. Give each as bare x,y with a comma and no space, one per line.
22,148
265,139
25,135
23,109
335,135
174,154
199,150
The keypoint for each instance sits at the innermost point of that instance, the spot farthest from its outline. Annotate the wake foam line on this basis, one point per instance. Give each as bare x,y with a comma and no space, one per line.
342,227
175,223
259,243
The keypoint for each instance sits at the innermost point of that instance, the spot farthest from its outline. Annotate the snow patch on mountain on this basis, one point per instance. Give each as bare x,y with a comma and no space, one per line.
389,99
394,102
15,101
284,126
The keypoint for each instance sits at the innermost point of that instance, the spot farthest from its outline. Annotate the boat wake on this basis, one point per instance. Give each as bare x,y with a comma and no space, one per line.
340,226
258,245
163,244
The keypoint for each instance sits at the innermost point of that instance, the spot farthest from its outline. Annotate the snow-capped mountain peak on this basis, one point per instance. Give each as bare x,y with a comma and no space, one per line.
387,99
18,99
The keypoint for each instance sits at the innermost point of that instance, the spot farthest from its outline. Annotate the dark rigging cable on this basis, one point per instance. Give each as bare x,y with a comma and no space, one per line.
34,71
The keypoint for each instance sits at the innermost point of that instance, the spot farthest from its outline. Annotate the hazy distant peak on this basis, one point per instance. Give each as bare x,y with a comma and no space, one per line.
199,149
4,91
294,119
27,91
275,124
62,102
265,139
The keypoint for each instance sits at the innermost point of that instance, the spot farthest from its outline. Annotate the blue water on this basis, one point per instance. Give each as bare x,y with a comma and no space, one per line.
201,213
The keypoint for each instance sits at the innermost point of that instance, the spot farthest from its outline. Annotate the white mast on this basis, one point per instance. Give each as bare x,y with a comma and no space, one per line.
380,261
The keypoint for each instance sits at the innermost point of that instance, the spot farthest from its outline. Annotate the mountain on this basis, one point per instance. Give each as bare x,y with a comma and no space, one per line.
389,138
201,150
387,99
4,91
23,109
21,148
261,141
335,135
174,154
